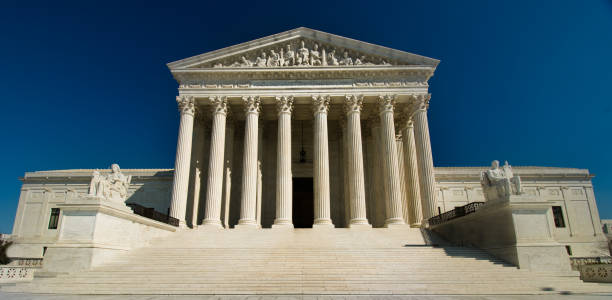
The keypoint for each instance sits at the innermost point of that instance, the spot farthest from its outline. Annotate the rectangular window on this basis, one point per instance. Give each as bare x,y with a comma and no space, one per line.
54,219
558,215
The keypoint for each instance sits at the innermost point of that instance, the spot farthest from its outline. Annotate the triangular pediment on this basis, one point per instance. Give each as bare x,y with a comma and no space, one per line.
302,47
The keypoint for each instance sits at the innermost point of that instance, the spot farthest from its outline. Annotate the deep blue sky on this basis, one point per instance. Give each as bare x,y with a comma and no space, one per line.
85,84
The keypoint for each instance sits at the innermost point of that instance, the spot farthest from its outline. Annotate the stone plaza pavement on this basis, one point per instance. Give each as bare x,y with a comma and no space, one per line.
20,296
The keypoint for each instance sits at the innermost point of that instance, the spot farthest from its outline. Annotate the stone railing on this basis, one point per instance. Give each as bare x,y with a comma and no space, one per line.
596,273
11,273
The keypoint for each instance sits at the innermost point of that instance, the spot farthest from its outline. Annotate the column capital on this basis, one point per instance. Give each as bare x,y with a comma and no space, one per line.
386,103
284,104
252,104
186,104
353,104
320,104
418,103
219,105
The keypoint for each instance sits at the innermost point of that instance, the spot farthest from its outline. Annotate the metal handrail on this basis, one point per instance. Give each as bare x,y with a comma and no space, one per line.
459,211
151,213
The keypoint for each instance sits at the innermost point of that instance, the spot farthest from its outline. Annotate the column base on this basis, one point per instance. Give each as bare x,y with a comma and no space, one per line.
415,225
247,224
323,223
211,226
282,226
359,223
182,225
282,223
323,226
392,222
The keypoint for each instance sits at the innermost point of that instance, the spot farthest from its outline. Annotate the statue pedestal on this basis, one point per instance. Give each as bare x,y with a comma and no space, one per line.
518,229
93,231
90,200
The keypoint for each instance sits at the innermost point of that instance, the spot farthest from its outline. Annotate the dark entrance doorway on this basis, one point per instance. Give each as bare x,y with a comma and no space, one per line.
303,202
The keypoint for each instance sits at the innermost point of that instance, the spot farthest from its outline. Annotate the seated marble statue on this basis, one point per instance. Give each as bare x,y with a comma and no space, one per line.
499,183
112,187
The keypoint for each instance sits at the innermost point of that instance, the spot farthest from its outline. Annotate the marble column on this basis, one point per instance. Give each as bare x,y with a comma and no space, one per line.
197,162
356,179
322,216
178,204
380,194
284,178
212,214
424,158
411,174
248,197
400,156
391,177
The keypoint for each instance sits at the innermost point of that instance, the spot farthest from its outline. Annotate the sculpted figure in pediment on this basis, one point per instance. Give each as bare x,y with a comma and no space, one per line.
332,60
346,60
302,55
245,62
273,59
261,60
289,56
315,58
360,60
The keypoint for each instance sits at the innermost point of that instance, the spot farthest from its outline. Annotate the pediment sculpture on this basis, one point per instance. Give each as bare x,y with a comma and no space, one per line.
111,187
300,54
500,183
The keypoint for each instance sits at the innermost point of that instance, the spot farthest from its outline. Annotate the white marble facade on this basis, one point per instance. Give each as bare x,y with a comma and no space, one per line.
305,129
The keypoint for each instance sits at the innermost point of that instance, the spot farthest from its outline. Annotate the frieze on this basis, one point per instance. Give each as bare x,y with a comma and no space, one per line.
393,75
300,53
303,83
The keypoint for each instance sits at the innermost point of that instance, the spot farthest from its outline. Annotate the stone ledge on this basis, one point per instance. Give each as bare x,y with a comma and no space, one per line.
115,211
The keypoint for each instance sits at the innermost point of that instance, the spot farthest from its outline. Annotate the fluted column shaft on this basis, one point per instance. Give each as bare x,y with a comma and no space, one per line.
353,106
212,215
321,163
248,199
197,163
411,175
178,204
284,186
394,209
424,157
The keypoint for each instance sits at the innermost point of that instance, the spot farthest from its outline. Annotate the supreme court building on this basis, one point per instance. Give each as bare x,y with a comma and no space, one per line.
304,163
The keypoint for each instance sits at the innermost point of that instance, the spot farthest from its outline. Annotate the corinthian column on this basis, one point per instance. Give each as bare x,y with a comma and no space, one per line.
411,174
183,158
356,179
212,215
248,199
321,163
424,157
391,176
283,164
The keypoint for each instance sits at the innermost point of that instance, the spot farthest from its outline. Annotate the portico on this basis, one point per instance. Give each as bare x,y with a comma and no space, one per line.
290,154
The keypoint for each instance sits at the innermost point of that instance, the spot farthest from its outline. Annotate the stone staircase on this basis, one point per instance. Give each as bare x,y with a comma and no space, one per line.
306,261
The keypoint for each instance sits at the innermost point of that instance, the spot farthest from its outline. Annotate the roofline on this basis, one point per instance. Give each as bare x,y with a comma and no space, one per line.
289,34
